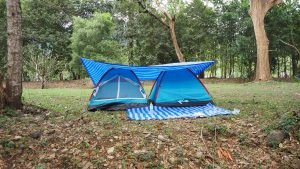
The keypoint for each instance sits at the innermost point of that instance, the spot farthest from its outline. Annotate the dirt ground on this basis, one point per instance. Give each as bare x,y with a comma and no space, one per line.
60,133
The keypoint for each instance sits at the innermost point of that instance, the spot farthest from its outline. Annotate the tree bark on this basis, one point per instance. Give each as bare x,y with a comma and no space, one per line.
174,41
14,54
258,10
2,94
294,63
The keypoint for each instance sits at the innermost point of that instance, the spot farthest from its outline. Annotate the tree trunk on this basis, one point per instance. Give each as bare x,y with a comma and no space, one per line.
201,75
278,68
2,94
170,24
294,63
130,56
174,41
258,10
43,83
14,54
263,72
285,67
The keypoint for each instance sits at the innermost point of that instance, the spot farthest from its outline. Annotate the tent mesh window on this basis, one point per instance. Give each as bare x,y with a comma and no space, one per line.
129,89
118,87
107,90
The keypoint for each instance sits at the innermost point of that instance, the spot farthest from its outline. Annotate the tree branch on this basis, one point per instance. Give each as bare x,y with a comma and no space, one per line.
151,13
290,46
271,3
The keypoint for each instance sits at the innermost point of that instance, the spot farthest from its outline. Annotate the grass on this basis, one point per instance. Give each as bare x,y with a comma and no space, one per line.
90,134
262,102
266,99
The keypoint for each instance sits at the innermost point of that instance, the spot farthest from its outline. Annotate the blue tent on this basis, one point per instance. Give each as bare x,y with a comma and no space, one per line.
116,90
179,88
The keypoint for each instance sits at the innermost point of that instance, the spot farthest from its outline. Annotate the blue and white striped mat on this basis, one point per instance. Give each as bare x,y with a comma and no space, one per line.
162,113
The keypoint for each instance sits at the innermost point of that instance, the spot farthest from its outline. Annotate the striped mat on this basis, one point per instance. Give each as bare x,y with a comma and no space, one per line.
162,113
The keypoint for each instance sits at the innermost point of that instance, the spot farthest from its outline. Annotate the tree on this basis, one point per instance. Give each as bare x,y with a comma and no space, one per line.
47,25
3,33
40,65
93,38
258,11
168,20
284,41
14,54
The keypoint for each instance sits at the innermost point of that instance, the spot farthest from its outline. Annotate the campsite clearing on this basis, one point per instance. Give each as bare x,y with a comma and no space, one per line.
69,136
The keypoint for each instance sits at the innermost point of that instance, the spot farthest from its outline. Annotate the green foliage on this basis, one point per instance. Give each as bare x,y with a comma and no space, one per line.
122,32
2,35
147,156
93,38
46,31
289,121
8,144
40,166
10,112
179,152
47,24
217,129
298,135
40,65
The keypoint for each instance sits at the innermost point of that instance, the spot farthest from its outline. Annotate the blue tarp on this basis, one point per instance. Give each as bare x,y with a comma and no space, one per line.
97,69
162,113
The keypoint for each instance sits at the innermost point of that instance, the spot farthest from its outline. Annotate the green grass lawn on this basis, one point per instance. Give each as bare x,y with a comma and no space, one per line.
74,138
267,99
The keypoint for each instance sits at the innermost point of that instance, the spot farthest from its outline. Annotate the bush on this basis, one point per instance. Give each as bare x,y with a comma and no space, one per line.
289,123
10,112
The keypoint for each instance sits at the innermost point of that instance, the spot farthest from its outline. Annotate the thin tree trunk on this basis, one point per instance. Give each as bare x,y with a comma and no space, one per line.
250,69
14,54
130,57
278,68
43,83
2,93
174,41
225,69
230,68
285,67
74,76
294,56
169,22
294,63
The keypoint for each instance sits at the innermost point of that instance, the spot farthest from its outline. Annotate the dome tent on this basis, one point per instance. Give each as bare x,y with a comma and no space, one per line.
110,81
179,88
118,89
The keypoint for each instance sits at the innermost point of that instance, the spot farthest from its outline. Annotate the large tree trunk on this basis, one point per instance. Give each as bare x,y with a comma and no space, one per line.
258,10
174,41
263,71
14,54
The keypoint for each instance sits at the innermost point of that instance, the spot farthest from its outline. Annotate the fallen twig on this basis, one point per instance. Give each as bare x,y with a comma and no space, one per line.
202,139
